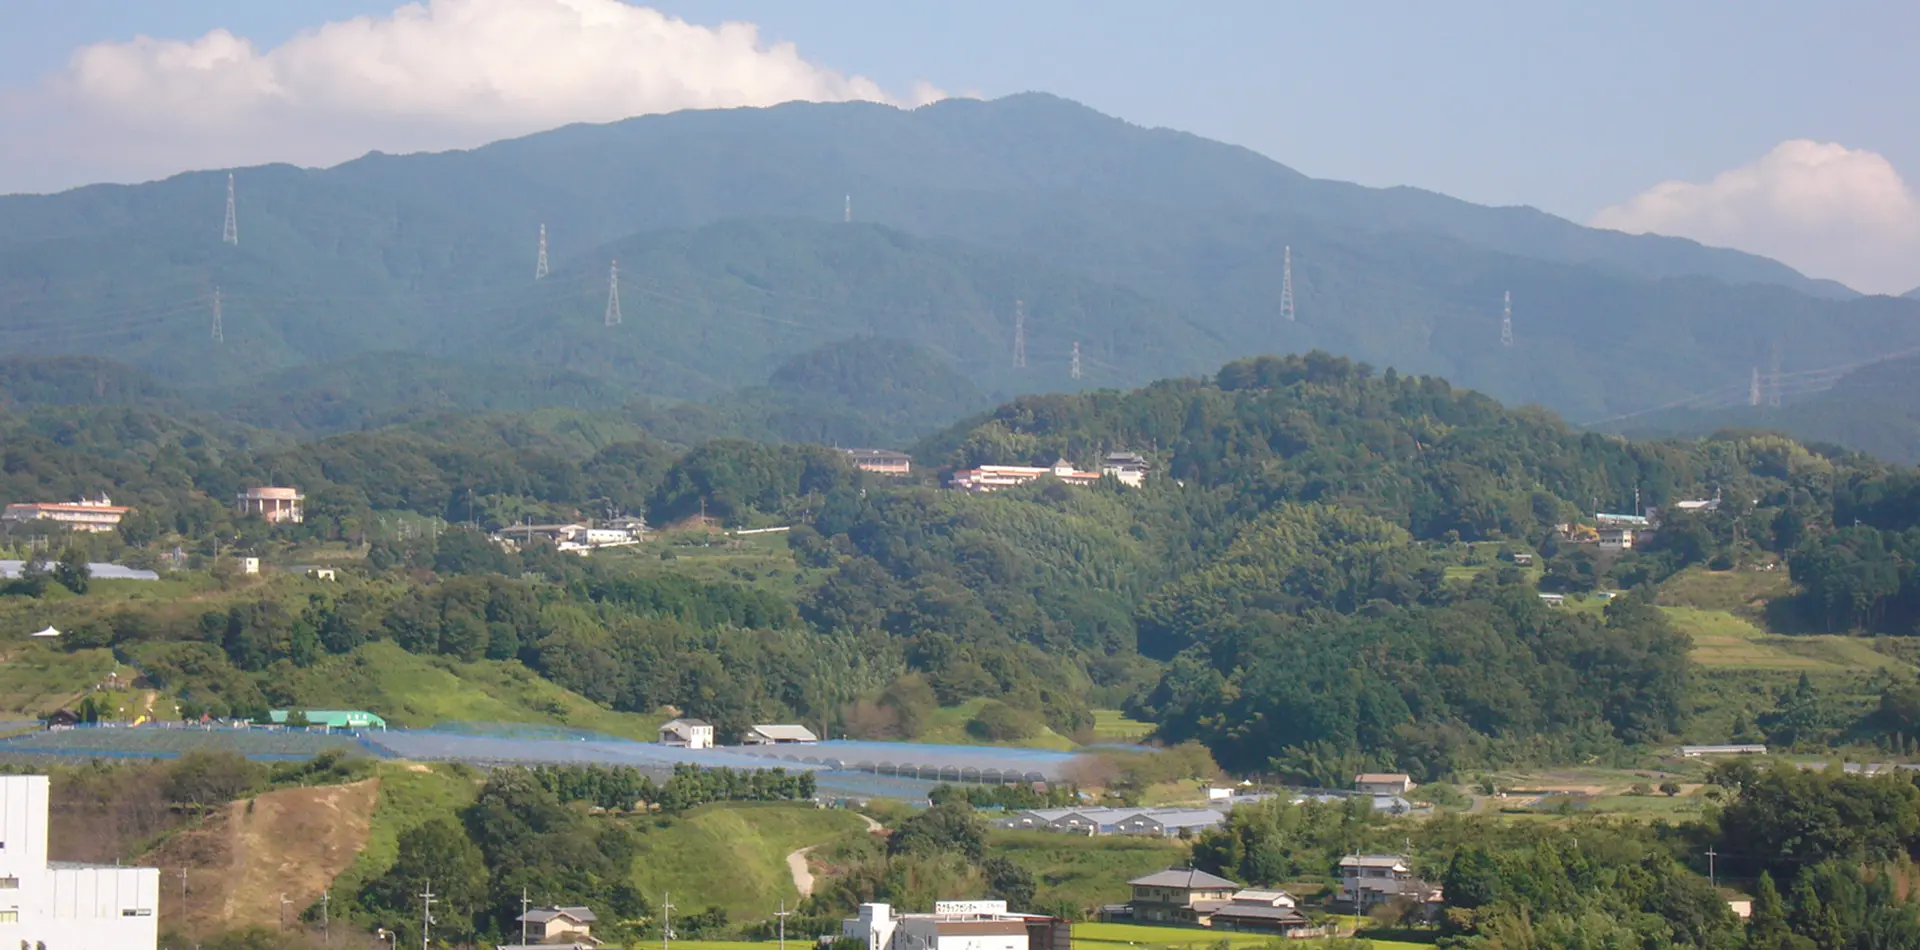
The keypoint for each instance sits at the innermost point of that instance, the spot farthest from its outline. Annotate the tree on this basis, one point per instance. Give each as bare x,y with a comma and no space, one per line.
1009,882
72,572
203,779
1669,788
952,828
435,852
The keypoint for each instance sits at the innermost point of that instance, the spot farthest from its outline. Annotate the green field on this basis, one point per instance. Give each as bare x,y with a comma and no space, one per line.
1744,593
1085,872
757,560
1112,725
411,690
410,795
1723,639
36,679
948,726
735,856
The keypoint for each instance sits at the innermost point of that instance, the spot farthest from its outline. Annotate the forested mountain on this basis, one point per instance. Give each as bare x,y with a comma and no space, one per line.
1873,409
1157,252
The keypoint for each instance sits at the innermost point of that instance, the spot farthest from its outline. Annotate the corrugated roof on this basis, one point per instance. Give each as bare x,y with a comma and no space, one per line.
789,733
1187,878
1182,819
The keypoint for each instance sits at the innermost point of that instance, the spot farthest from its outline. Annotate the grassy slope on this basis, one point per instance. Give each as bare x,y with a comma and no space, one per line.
36,678
1112,725
735,856
1085,872
948,726
410,795
413,690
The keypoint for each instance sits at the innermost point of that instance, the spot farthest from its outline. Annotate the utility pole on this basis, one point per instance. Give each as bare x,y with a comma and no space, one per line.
427,900
782,915
326,922
1506,319
1286,284
219,334
540,266
666,919
613,295
1019,334
183,893
283,911
524,904
230,232
1712,878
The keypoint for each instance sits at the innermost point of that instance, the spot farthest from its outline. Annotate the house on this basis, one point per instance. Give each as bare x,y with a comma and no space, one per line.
1171,895
322,573
249,565
1127,468
548,925
1696,751
88,514
687,734
881,461
1383,783
988,478
1522,559
1369,879
1554,600
66,905
332,718
1161,823
779,735
62,719
1261,911
957,925
1616,539
274,505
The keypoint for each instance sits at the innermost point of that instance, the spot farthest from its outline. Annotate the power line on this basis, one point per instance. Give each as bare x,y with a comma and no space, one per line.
540,266
230,232
613,295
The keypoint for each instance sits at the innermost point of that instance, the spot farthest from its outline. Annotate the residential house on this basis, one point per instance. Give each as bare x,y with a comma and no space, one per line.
1261,911
1170,896
1383,783
274,505
881,461
549,925
1370,879
988,478
66,905
1522,559
88,514
957,925
1554,600
779,735
1127,468
687,734
1616,538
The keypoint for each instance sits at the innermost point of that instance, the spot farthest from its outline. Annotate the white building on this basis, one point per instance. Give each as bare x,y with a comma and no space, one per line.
1168,823
687,734
995,477
87,514
1383,783
1616,539
954,925
275,505
61,905
1369,879
1128,468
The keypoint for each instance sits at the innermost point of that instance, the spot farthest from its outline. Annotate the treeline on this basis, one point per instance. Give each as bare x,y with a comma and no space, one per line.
620,787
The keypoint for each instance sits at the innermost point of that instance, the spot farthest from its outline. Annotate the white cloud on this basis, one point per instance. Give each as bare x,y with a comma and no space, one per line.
1828,210
432,75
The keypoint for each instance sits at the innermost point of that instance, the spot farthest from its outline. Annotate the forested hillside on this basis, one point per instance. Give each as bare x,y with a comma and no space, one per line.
1873,409
1306,582
1156,252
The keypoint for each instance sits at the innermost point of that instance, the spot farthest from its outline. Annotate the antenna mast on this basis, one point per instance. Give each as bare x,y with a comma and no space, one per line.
1076,360
1019,334
219,335
1286,285
1506,320
540,266
230,233
613,295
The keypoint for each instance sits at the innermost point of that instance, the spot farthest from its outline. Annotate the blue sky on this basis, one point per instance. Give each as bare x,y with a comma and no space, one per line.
1572,109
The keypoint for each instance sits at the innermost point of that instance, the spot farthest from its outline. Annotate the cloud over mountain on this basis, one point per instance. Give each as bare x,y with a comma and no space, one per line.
1831,211
431,75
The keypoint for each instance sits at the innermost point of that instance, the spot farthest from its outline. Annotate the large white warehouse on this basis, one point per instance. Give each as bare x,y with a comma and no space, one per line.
61,905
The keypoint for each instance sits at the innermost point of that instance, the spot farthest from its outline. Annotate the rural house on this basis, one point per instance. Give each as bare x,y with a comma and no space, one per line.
687,734
1171,896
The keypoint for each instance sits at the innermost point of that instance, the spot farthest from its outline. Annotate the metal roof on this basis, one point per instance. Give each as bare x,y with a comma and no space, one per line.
788,733
1186,878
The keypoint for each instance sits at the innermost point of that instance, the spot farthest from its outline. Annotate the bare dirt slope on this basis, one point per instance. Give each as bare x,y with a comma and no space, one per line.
240,863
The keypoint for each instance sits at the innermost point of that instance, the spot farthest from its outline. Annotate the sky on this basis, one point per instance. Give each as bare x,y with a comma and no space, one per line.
1786,129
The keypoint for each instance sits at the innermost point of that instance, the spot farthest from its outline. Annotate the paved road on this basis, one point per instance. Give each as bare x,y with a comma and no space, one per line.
797,861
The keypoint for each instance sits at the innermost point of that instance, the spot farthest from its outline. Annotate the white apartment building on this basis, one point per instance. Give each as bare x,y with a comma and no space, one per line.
956,925
61,905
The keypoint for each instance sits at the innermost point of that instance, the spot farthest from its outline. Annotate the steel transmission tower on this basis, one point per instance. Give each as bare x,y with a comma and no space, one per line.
219,333
1506,320
1286,285
540,266
230,233
1075,371
1753,388
613,295
1773,387
849,214
1019,334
